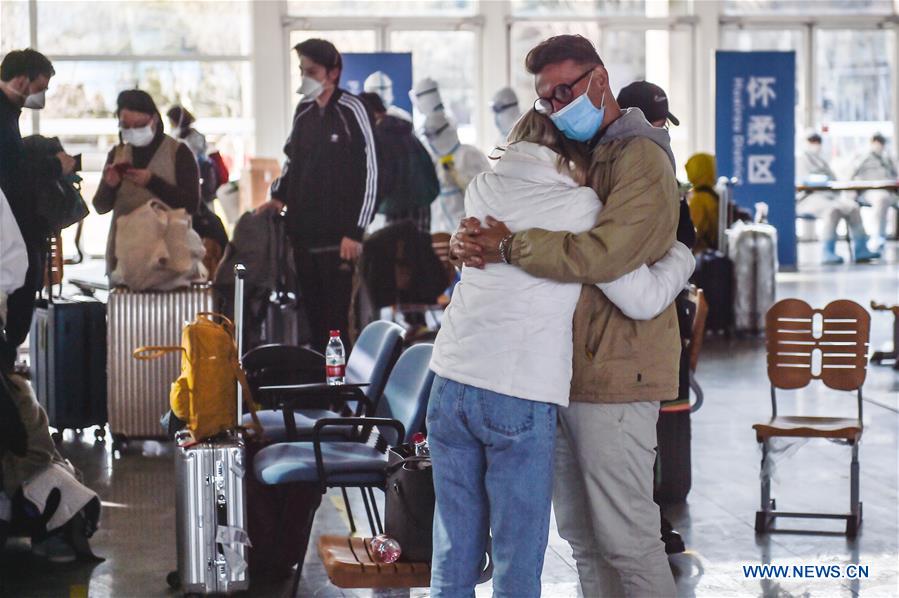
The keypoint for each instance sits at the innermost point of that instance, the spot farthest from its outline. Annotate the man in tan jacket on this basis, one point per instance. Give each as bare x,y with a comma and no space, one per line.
622,368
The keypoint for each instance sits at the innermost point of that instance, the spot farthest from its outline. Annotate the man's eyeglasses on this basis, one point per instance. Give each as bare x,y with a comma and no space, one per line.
562,93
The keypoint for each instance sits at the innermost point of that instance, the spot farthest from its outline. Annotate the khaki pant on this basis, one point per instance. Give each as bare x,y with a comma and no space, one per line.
603,499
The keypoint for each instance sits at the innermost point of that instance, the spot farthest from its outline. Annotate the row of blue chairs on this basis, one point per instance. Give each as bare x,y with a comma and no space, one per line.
338,436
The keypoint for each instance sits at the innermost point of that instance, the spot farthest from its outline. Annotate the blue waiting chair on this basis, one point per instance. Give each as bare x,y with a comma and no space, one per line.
361,461
299,406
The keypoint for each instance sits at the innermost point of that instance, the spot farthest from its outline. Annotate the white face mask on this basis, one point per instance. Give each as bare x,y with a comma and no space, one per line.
140,137
36,101
310,88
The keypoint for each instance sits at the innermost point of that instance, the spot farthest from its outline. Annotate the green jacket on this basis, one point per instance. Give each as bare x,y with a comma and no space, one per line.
616,359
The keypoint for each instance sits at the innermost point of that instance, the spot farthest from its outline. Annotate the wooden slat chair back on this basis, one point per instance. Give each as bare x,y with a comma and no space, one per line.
806,344
829,344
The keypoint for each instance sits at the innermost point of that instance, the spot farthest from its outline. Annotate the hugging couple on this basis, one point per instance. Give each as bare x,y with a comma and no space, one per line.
528,409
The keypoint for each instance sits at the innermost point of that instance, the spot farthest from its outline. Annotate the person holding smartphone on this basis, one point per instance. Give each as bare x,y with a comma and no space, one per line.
147,164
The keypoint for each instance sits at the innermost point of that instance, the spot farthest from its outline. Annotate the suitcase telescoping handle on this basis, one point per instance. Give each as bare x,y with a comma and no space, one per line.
725,209
240,274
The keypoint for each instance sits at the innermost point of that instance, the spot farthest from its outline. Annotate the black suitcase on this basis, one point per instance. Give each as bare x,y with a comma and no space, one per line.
673,466
715,276
68,362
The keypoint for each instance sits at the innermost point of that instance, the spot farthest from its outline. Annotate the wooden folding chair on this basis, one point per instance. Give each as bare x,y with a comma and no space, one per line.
830,345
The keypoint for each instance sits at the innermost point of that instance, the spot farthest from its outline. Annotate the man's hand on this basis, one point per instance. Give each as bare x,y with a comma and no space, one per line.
274,206
139,176
462,245
350,249
67,162
111,176
489,238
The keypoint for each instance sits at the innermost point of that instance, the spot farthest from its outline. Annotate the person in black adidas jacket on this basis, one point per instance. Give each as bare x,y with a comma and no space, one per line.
329,186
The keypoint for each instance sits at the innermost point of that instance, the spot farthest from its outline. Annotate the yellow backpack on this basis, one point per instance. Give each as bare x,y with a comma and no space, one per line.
205,394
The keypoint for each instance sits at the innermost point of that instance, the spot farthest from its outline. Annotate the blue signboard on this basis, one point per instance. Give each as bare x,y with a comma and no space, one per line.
395,74
755,133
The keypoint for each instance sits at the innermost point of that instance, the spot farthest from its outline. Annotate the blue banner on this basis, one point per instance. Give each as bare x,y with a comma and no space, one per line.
755,136
395,77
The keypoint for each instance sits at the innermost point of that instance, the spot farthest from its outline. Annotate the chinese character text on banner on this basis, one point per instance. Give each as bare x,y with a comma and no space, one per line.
755,136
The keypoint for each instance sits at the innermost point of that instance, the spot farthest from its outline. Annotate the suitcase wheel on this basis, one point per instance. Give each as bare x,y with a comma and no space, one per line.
173,579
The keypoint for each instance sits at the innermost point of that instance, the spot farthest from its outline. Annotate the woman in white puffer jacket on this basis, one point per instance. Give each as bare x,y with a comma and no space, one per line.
503,362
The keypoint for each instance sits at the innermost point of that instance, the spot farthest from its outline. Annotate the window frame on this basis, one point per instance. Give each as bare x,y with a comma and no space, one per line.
245,60
810,26
383,28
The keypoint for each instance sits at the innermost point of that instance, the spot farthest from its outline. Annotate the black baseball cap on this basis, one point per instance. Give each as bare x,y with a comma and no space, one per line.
649,98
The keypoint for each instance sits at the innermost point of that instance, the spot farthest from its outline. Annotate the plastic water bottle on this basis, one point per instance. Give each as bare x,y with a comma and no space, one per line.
420,442
335,360
385,549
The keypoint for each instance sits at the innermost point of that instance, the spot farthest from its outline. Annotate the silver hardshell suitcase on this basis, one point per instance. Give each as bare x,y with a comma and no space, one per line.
212,517
211,506
753,249
138,391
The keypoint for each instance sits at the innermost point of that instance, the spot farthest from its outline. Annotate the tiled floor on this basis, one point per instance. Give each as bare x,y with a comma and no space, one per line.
137,534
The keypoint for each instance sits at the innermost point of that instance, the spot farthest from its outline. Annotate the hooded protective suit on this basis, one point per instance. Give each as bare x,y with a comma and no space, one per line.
877,166
506,112
380,83
456,165
703,200
425,96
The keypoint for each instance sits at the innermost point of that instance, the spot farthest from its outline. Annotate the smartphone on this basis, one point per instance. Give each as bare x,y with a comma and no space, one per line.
77,167
122,167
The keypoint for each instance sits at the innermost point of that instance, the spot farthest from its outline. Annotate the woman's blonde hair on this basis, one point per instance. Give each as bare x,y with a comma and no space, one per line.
574,157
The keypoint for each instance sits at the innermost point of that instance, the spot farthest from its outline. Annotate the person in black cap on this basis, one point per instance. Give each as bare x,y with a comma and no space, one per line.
650,99
147,164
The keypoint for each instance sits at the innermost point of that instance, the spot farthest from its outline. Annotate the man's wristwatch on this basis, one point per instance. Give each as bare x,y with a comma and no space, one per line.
505,248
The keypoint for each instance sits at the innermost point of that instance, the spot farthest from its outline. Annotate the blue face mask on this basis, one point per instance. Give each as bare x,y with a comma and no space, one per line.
580,120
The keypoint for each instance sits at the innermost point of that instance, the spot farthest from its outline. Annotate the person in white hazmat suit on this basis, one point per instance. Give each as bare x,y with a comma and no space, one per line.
39,493
425,96
457,164
380,83
877,165
506,112
812,168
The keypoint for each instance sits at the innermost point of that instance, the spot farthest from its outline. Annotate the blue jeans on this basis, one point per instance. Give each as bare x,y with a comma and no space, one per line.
493,470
